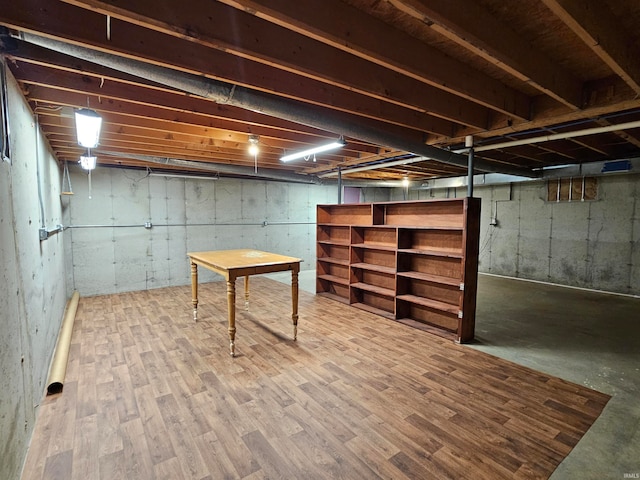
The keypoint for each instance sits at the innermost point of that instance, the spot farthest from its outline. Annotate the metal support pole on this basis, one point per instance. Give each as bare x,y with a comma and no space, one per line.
468,142
339,185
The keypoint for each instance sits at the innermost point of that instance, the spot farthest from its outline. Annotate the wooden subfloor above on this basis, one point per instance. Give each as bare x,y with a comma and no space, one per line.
149,394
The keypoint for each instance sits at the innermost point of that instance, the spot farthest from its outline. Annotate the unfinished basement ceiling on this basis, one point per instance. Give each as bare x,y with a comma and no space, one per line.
400,80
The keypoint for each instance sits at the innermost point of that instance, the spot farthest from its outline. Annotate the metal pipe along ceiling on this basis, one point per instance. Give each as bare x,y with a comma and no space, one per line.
287,109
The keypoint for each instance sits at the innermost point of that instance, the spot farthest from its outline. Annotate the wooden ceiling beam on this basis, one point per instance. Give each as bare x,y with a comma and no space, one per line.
556,148
181,153
108,137
468,24
506,157
109,90
262,77
122,120
594,145
216,139
76,99
344,27
603,98
623,134
140,114
600,30
353,162
590,143
124,123
143,112
225,28
109,141
433,168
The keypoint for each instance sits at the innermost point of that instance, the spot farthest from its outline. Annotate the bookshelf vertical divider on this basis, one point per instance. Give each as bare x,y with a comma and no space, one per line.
415,262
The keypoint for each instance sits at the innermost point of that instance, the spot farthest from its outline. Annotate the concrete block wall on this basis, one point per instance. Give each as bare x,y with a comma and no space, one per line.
590,244
111,250
32,273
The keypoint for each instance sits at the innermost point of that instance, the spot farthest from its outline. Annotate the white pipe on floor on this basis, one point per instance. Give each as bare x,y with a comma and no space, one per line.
58,368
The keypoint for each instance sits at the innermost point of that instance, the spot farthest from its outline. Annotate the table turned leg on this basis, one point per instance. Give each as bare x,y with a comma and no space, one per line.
231,305
246,292
194,290
294,302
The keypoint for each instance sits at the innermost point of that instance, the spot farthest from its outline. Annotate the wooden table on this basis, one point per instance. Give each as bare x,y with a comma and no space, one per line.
232,264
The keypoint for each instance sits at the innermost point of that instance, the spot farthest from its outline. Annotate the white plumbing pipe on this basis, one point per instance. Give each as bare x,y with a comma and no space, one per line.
558,136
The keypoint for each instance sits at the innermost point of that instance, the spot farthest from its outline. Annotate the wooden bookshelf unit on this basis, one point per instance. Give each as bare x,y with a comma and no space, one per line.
414,262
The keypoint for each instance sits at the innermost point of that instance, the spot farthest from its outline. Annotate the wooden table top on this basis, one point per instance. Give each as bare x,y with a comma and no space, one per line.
234,259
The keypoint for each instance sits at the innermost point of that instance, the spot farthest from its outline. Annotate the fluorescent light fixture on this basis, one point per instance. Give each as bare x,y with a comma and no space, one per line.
312,151
88,162
88,124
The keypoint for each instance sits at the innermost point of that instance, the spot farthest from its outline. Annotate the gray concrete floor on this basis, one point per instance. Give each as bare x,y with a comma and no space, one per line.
589,338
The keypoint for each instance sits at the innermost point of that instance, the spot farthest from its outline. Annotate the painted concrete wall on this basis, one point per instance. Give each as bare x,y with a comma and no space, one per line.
377,194
591,244
32,289
186,215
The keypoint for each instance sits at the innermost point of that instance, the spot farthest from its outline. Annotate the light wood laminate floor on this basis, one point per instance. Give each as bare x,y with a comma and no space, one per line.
149,394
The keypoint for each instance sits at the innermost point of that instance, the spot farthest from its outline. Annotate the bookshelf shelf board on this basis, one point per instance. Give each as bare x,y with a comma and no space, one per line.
377,311
334,279
337,261
334,242
374,288
429,303
433,253
431,278
374,268
335,297
375,246
425,327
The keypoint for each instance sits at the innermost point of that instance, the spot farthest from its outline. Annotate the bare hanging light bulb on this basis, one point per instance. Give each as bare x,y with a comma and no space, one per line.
253,145
254,150
88,162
